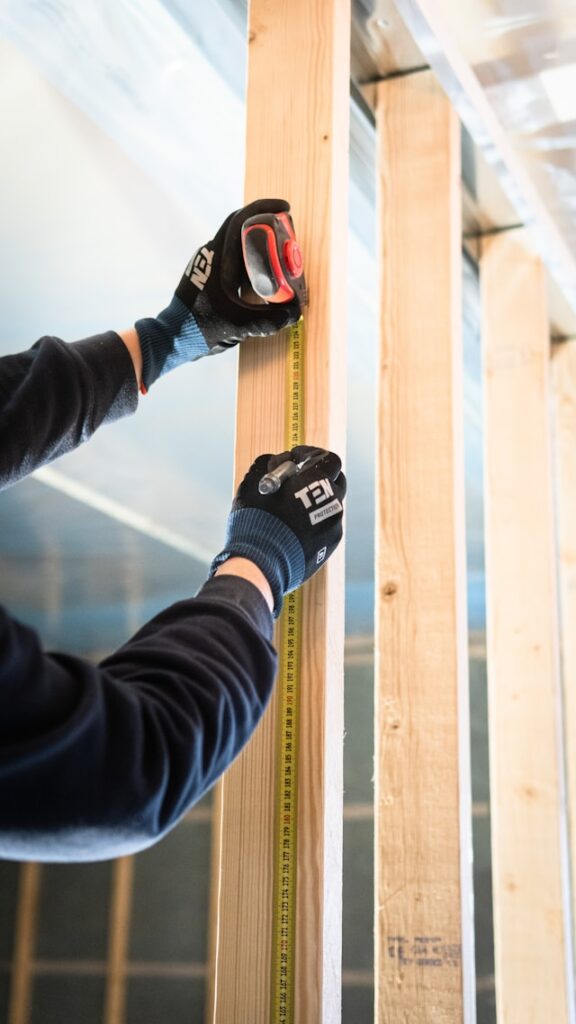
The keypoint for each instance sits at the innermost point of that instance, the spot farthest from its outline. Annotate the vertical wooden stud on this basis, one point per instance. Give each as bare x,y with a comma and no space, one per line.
424,924
533,977
119,940
564,391
20,1005
297,148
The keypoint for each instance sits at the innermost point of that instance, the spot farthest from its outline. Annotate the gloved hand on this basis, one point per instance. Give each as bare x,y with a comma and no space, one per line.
207,314
290,534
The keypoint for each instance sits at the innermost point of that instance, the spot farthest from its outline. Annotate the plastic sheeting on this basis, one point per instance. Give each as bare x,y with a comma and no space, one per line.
122,133
524,55
137,73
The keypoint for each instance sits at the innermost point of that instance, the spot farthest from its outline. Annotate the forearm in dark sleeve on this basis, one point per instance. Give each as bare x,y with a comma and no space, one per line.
54,396
99,761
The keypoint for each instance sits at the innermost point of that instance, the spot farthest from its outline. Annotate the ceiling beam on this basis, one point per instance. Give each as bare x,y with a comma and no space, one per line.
433,34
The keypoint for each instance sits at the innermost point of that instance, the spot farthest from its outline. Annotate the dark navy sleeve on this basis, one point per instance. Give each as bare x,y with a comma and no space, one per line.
54,396
98,761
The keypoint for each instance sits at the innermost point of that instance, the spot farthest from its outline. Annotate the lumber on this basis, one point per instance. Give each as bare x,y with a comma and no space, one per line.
423,915
530,885
118,940
297,148
22,979
564,431
432,24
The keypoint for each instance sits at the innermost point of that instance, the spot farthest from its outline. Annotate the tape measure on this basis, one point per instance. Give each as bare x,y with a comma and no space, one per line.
287,735
275,273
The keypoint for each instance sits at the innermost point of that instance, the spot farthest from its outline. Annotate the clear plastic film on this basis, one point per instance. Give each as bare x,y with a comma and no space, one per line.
524,55
140,71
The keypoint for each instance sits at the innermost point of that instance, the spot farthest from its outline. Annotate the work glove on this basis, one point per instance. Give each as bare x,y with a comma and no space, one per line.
207,313
291,533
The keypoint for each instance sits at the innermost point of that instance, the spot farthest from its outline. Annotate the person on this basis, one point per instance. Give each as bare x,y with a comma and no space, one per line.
99,761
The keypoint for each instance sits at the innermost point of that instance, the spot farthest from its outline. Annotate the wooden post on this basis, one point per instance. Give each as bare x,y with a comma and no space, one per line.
119,940
531,904
424,936
297,148
24,944
564,381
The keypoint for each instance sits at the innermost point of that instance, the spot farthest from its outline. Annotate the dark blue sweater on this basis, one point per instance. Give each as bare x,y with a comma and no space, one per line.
99,761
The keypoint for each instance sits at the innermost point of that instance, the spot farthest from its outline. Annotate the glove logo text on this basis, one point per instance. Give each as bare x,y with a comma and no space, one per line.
316,494
200,267
321,556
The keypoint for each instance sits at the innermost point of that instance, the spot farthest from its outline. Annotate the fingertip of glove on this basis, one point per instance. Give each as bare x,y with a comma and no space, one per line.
342,483
292,311
273,205
327,462
333,466
303,451
277,460
260,464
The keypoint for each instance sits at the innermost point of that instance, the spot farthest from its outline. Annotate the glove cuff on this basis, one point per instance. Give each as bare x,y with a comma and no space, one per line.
169,340
272,546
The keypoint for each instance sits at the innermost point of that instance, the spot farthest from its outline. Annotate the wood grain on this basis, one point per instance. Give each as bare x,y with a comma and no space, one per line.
20,1003
564,422
297,148
424,944
118,940
528,827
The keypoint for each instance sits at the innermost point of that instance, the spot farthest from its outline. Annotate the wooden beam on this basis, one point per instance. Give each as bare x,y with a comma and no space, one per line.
533,980
20,1005
297,147
424,943
564,405
119,940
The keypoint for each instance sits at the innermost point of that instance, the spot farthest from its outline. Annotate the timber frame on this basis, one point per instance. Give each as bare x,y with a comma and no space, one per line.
423,912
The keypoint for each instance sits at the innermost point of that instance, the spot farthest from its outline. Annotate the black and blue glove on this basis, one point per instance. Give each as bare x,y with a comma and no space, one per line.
291,533
207,313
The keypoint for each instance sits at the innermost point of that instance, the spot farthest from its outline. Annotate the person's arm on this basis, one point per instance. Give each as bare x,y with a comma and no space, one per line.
132,342
247,570
98,761
54,396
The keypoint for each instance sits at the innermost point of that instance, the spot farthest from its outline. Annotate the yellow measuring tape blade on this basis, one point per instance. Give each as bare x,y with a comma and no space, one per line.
286,807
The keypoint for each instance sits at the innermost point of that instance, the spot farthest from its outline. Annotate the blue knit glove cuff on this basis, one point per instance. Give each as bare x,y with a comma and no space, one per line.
168,341
270,544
